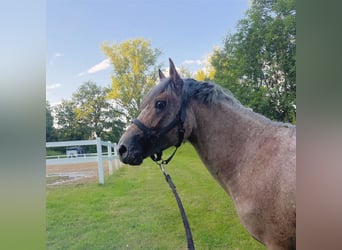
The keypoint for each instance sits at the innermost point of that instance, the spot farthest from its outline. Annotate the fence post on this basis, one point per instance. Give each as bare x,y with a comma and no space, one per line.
99,160
116,160
110,158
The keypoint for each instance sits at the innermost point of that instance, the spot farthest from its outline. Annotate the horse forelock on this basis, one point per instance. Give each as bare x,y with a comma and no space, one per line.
156,90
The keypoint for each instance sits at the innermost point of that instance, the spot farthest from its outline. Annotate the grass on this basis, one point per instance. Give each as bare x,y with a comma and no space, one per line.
135,209
54,179
51,152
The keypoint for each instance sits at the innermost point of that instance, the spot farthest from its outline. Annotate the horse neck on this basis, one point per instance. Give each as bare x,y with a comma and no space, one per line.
220,134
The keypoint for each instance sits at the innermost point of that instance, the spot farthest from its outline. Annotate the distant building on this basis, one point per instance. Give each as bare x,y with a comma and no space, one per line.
75,151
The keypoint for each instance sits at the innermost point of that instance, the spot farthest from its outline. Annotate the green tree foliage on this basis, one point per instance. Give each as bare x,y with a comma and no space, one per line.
258,62
135,72
207,73
68,127
90,107
87,115
50,130
95,112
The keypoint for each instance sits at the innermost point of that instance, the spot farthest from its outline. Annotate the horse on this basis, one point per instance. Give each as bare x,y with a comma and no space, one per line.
252,157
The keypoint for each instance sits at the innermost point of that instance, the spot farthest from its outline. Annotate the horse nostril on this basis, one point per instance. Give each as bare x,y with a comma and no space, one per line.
122,150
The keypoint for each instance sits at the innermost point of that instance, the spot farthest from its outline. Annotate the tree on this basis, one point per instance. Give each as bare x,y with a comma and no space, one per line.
68,127
185,72
207,73
50,130
114,127
135,72
95,112
88,114
258,62
90,107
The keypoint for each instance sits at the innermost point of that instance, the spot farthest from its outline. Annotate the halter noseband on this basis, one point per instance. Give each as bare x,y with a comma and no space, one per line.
154,135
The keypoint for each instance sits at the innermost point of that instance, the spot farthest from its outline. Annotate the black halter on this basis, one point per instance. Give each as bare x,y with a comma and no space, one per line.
154,135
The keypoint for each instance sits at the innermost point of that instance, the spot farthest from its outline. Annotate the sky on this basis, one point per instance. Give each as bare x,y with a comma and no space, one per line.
187,31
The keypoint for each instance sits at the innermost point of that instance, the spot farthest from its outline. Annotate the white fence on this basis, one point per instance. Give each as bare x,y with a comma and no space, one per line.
98,157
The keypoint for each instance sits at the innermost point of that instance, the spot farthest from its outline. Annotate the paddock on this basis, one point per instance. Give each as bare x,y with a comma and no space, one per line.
100,157
73,173
135,209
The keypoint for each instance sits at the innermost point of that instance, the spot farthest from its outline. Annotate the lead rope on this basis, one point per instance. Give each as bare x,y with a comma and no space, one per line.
157,158
187,228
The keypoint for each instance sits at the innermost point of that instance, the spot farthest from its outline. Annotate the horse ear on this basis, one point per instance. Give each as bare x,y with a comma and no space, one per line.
161,75
174,76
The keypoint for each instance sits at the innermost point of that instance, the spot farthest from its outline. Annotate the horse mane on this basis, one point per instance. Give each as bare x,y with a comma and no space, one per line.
209,93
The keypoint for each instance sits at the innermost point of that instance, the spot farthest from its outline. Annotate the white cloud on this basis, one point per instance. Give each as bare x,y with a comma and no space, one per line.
198,64
53,86
99,67
105,64
203,61
190,61
54,57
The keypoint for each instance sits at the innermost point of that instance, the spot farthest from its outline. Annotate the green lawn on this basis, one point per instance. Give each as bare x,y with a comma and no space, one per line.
135,209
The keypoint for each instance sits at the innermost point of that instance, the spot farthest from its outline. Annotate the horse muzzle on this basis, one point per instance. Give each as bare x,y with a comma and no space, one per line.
130,155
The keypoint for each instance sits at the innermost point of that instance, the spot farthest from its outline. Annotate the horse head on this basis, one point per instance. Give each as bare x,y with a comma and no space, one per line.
160,122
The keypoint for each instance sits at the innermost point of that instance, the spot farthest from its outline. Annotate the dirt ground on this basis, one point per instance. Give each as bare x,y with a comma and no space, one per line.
74,173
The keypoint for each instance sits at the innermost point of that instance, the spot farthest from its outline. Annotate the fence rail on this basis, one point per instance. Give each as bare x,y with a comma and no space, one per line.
99,156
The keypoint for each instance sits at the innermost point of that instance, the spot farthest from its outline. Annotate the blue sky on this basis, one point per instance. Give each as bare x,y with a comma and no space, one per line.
185,30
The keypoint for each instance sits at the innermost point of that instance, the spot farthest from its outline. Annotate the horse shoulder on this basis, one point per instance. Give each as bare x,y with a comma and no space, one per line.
264,192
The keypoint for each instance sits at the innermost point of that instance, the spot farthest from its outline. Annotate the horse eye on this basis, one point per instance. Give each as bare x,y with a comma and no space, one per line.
160,105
